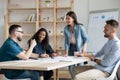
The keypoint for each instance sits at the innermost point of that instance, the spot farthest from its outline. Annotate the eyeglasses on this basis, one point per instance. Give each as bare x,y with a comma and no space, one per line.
20,32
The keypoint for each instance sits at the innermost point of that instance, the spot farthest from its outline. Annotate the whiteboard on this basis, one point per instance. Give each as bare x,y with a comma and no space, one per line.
96,24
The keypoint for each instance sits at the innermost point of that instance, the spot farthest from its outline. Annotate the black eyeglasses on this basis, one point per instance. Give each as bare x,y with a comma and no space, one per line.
20,32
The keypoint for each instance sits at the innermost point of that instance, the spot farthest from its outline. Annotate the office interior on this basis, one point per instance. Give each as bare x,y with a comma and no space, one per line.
82,8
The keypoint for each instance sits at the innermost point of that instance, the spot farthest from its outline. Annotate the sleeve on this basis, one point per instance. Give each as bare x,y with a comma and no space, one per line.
66,43
49,50
99,53
112,57
14,49
37,50
84,34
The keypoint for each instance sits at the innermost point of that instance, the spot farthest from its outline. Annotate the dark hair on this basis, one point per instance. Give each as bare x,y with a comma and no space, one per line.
113,23
73,15
36,37
12,28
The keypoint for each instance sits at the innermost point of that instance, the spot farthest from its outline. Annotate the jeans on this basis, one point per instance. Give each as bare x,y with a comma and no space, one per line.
70,71
72,49
47,74
34,75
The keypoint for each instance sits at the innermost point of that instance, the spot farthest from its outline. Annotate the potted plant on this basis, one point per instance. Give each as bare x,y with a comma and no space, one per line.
47,2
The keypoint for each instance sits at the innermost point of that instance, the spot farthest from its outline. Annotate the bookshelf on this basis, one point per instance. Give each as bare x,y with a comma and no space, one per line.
34,14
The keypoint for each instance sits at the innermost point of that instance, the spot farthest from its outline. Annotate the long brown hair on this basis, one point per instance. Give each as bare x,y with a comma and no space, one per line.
36,37
73,15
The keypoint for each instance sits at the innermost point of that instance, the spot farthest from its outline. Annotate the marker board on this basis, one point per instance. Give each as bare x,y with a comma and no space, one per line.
95,29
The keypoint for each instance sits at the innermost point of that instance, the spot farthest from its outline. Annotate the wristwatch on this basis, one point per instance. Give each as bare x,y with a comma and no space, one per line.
95,60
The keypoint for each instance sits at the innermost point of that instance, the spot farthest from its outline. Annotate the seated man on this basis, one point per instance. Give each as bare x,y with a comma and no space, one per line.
110,53
10,51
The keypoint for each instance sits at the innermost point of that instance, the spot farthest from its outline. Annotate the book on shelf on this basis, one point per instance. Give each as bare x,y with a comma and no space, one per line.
31,18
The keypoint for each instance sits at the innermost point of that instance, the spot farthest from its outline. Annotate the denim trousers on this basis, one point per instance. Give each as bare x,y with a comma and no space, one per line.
72,49
34,75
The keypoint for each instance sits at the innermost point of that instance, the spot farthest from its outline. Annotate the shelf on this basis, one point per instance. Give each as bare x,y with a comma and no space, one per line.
23,22
61,21
60,49
46,8
21,8
51,35
35,14
46,21
28,35
63,8
59,35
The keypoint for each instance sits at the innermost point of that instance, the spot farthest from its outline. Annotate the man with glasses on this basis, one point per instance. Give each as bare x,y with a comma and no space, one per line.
11,50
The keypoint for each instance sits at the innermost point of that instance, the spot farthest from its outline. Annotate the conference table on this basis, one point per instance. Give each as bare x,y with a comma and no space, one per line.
43,64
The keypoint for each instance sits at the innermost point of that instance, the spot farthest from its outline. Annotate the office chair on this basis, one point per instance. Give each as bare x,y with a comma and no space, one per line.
113,75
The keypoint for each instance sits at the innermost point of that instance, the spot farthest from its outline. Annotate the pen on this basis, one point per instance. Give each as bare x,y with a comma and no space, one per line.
34,58
65,61
52,57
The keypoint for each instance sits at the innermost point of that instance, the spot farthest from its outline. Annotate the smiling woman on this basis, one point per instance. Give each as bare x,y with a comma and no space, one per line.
43,48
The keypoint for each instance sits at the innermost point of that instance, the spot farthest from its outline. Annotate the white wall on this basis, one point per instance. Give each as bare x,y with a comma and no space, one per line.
1,21
81,7
103,4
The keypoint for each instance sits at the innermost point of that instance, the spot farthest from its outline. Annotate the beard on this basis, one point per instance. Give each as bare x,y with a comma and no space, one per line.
106,36
19,38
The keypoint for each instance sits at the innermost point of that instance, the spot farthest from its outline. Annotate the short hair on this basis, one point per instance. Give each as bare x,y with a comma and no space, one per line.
113,23
13,28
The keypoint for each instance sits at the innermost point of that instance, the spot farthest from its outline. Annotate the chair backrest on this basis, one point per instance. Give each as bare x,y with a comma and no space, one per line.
113,74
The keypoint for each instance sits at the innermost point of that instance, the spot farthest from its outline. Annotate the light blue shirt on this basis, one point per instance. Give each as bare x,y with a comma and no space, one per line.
81,36
111,52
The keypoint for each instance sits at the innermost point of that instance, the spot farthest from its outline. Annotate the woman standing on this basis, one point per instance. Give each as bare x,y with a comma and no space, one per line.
75,37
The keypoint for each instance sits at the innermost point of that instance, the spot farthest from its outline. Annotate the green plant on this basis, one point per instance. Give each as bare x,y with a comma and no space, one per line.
47,1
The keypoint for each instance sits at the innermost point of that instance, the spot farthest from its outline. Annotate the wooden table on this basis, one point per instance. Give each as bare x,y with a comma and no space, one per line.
43,64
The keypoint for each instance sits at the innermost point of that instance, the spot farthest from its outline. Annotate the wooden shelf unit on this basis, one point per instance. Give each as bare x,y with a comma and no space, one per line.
50,17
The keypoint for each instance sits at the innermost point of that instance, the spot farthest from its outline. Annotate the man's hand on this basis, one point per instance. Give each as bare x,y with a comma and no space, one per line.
77,54
44,55
98,61
55,54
